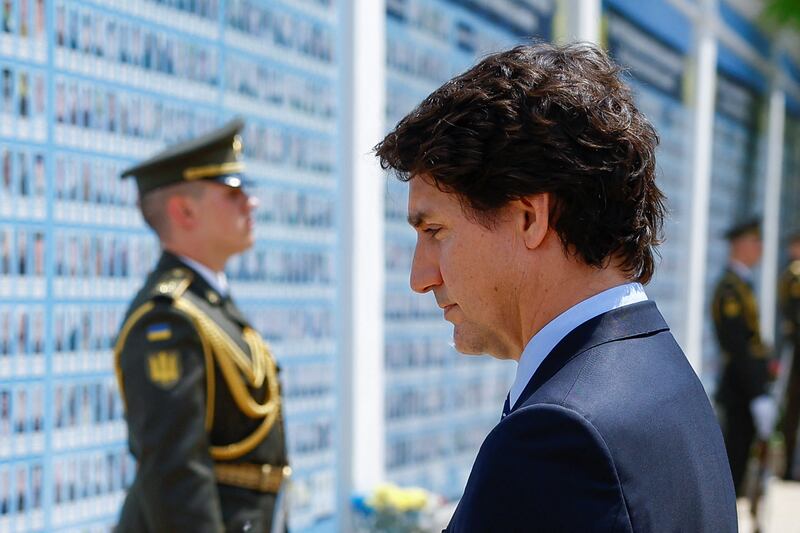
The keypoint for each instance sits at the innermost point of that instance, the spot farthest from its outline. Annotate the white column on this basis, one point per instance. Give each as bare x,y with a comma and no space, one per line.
703,135
363,82
772,208
579,20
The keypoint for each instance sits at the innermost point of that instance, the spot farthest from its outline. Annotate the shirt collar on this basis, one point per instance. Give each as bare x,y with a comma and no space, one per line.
217,280
742,270
549,336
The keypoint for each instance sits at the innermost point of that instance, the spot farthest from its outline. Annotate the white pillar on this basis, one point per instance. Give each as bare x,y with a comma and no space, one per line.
772,207
361,425
579,20
703,135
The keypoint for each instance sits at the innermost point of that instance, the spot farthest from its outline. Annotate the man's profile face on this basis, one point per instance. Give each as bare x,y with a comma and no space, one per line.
227,217
465,265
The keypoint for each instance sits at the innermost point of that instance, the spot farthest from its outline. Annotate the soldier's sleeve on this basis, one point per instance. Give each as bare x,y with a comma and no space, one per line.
747,357
789,298
785,304
163,374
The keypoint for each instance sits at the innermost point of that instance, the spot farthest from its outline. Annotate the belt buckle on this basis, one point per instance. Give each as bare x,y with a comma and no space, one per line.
272,477
264,481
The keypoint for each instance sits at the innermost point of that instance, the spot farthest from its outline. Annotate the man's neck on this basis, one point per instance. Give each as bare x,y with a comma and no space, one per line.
216,265
568,289
740,266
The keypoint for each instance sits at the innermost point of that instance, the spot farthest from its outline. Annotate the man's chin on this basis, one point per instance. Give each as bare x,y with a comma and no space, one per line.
247,243
465,347
478,345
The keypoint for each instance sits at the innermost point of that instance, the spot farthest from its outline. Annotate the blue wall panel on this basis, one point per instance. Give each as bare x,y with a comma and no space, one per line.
88,88
439,404
657,76
659,20
734,66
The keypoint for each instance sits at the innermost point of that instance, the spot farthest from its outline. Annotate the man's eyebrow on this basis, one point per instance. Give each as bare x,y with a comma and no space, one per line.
416,219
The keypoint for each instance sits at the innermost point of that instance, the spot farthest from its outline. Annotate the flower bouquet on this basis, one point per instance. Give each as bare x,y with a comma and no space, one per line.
393,509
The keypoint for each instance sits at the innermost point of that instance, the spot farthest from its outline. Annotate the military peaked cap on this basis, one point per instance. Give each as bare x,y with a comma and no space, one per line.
744,227
215,156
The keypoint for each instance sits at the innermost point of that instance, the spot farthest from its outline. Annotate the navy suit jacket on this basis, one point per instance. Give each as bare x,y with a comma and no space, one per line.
613,433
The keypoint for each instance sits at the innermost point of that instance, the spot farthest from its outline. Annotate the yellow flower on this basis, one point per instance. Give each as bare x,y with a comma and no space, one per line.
390,497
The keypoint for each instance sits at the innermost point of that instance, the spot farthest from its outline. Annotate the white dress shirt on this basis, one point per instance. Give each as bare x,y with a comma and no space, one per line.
549,336
217,280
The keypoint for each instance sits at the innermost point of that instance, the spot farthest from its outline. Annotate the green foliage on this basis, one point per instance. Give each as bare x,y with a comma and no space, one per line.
783,13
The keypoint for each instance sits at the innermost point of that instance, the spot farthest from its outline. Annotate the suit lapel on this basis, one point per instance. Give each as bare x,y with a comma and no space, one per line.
633,320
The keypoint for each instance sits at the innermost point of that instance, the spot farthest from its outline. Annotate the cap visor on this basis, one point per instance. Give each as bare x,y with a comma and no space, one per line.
235,181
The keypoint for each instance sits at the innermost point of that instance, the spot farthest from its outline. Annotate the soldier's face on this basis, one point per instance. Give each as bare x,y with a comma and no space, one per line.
228,218
751,249
794,249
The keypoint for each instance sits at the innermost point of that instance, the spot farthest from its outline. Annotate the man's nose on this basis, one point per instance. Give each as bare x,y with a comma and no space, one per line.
252,202
425,273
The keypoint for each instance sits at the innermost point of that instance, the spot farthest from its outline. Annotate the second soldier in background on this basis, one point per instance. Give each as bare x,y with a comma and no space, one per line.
747,409
201,390
789,291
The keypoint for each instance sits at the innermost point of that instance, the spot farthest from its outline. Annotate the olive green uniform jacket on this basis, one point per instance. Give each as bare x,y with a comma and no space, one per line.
200,390
745,372
789,292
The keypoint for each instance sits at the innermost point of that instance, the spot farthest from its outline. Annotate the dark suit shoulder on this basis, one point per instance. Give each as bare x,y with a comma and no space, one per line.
543,461
555,419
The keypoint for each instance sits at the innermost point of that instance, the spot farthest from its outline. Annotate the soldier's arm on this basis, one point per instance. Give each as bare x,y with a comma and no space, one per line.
784,304
163,374
748,358
789,293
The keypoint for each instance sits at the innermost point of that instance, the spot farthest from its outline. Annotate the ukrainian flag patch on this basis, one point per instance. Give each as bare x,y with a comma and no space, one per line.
159,332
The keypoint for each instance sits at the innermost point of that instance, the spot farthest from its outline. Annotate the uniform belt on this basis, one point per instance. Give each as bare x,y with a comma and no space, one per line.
263,478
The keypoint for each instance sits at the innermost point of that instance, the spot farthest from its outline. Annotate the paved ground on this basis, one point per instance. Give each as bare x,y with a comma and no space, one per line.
781,509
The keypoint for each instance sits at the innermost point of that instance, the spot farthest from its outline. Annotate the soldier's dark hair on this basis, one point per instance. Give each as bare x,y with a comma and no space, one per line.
543,118
153,204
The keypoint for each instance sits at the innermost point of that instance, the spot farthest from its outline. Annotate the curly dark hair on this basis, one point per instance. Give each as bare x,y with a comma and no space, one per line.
543,118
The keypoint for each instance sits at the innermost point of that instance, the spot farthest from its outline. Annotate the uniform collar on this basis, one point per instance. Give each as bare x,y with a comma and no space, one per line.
549,336
741,270
217,280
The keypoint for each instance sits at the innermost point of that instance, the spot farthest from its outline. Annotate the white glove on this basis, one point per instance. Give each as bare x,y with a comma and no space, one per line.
765,413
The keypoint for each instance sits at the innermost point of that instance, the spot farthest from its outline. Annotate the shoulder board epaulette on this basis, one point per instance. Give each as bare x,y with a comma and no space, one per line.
795,267
173,283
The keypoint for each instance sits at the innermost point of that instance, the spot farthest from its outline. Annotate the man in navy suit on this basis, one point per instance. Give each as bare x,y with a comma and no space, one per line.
532,191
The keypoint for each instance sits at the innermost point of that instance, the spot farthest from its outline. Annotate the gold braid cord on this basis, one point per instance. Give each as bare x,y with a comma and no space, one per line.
233,362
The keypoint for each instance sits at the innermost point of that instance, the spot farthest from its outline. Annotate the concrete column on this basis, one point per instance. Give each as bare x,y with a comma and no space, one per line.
772,208
361,432
705,56
578,20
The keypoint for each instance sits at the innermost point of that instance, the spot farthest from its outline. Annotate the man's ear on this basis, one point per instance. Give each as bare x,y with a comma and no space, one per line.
535,218
182,211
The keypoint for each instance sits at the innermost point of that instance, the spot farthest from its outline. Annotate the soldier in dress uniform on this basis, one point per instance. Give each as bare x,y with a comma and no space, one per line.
200,386
789,294
746,408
